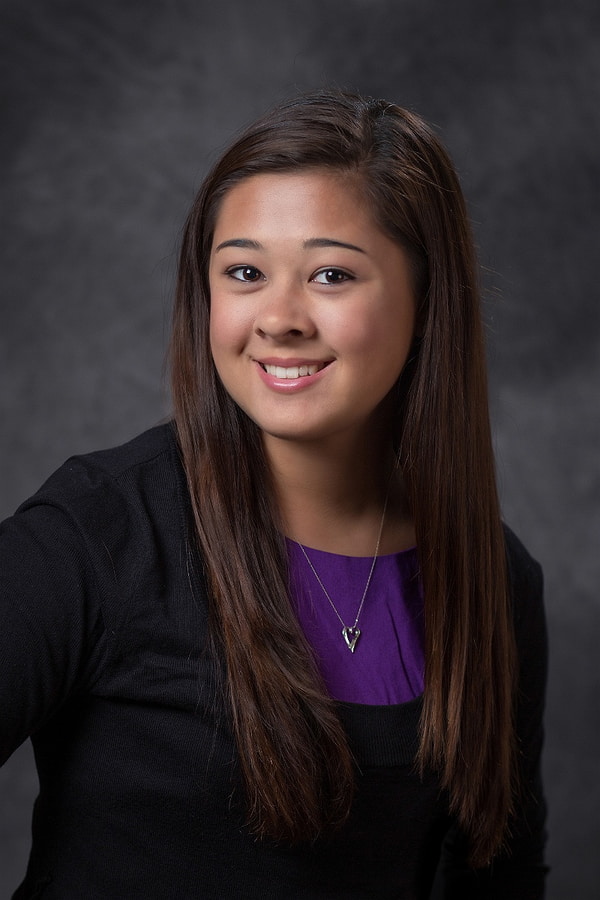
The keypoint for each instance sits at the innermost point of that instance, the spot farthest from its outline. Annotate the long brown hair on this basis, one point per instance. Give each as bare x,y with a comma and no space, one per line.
294,756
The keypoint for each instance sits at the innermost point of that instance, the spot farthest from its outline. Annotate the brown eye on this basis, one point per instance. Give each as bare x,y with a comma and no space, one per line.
245,273
332,276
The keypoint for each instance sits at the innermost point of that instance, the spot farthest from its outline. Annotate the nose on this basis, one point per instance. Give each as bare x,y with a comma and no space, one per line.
284,314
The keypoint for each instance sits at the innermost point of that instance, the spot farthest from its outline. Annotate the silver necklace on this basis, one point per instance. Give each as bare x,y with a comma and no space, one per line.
351,633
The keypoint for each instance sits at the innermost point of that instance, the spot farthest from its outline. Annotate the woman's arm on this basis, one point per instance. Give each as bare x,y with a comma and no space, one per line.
51,629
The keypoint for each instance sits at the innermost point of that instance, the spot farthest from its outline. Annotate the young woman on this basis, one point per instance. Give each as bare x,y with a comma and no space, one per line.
283,646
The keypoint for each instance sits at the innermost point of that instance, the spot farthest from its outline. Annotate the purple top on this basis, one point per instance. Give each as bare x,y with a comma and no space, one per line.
388,660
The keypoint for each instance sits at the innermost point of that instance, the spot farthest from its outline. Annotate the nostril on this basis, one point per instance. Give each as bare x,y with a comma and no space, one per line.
280,334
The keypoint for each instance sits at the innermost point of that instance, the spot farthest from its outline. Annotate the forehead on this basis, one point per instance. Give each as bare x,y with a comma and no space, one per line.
295,203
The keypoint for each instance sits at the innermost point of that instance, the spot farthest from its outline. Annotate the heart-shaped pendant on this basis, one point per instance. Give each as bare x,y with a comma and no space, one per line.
351,635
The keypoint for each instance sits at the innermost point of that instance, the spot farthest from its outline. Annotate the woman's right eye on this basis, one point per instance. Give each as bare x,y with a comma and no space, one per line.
248,274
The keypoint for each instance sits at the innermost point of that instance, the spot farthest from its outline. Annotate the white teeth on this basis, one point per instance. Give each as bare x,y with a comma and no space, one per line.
291,371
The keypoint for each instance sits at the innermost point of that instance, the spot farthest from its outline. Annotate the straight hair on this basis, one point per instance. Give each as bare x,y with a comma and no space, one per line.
295,761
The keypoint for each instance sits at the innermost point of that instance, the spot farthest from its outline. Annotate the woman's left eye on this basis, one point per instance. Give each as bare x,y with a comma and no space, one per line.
248,274
332,276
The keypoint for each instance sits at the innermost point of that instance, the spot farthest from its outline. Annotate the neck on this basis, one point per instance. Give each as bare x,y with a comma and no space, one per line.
332,497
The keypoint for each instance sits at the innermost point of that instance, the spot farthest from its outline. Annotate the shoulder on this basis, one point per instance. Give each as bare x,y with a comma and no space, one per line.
524,572
120,464
90,485
526,584
118,509
156,443
527,596
98,533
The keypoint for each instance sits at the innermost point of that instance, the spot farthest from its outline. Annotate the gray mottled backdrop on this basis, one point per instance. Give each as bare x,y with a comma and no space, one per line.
112,112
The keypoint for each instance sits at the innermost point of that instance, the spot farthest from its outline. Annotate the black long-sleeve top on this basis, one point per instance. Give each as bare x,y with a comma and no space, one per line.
104,662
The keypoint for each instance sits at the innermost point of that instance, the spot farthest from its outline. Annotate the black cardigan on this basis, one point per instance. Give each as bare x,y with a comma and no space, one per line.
104,663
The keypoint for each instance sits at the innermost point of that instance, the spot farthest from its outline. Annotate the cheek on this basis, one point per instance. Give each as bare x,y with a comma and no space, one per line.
382,347
228,331
387,338
215,330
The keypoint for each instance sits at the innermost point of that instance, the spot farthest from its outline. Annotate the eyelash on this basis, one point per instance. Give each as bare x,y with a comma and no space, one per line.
236,271
346,276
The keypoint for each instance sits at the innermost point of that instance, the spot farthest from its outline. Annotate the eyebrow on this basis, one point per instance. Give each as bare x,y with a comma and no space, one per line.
329,242
240,242
247,244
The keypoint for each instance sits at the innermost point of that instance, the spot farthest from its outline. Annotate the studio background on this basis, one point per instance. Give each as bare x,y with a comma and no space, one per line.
112,113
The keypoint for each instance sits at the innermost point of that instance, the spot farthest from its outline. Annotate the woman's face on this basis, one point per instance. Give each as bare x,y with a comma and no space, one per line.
312,307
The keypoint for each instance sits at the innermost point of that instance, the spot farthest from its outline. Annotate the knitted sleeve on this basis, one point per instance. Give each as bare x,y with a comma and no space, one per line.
60,559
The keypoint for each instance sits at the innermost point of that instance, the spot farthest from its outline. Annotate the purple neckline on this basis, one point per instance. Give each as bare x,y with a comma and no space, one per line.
381,556
387,665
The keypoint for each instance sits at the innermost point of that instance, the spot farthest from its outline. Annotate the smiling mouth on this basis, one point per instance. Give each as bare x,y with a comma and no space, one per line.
293,371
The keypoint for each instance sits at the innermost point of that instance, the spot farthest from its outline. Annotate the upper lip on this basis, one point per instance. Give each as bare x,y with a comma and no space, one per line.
291,363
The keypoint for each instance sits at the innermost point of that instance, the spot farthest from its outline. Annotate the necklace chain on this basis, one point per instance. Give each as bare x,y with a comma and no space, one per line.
351,633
